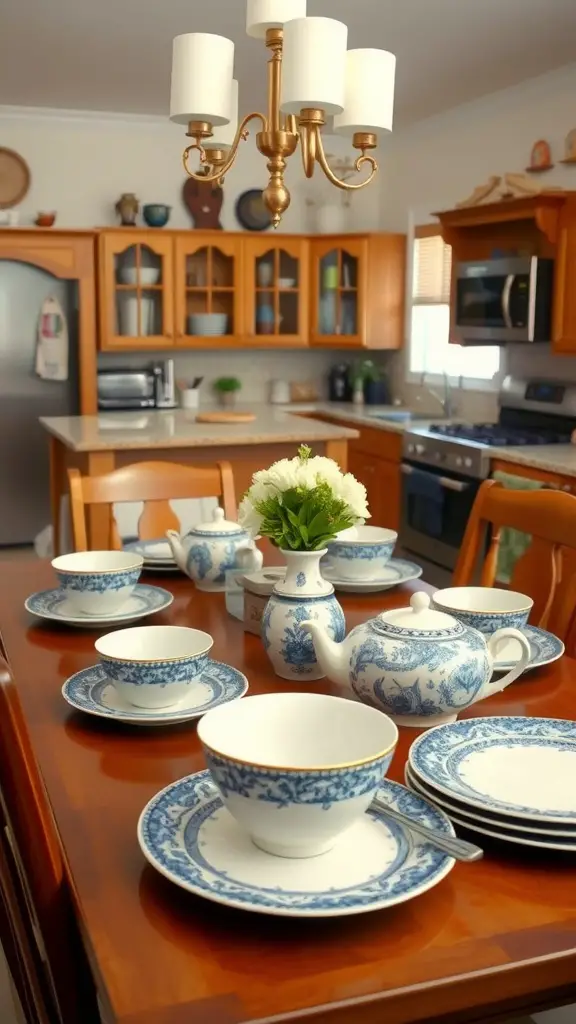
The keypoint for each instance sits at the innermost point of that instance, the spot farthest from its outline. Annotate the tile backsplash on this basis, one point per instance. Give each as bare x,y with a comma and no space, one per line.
255,368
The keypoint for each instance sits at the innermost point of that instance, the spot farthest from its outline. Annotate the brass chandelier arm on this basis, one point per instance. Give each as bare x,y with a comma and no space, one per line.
347,186
308,148
218,174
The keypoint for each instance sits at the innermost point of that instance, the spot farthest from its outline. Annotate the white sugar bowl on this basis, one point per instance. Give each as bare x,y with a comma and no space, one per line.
209,550
418,665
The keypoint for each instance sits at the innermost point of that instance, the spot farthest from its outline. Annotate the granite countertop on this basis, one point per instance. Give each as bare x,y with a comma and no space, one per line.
552,458
373,415
177,428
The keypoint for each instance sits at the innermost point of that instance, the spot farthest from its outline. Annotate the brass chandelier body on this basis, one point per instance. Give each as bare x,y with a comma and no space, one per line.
277,141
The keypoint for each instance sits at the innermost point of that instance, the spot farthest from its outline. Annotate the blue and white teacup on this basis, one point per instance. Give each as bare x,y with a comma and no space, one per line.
154,666
362,556
485,608
297,769
98,582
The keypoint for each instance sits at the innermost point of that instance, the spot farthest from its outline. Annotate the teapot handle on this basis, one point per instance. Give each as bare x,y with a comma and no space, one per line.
494,642
251,558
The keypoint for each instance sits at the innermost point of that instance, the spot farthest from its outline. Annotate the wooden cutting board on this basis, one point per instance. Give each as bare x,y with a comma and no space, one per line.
225,417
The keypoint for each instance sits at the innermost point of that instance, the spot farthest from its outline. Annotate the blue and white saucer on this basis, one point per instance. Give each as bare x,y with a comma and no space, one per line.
523,768
186,833
397,571
545,648
144,600
157,554
90,690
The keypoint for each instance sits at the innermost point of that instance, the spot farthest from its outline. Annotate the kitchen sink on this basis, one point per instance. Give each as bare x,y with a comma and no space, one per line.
405,417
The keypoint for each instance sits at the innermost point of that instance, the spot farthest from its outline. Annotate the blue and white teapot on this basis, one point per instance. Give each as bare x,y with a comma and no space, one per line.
209,550
418,665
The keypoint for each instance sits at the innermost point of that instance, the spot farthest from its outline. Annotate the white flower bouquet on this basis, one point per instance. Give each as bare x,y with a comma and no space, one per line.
302,503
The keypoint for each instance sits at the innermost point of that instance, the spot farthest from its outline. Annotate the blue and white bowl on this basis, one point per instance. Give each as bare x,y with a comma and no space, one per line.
154,666
98,582
485,608
363,555
297,769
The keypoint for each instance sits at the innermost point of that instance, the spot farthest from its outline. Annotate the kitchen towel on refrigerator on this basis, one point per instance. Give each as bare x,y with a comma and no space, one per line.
52,342
426,499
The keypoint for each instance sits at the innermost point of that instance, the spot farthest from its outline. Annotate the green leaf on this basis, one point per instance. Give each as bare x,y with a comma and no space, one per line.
320,524
294,519
304,532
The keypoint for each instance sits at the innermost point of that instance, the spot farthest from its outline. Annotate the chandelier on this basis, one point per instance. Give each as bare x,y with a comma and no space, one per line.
311,74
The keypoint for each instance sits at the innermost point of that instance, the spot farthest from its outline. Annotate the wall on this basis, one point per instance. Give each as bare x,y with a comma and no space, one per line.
81,162
440,161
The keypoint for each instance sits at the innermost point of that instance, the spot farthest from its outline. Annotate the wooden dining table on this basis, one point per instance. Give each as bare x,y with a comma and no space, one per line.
494,939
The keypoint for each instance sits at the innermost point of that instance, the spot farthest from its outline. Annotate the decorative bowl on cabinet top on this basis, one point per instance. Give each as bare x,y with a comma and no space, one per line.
422,667
208,550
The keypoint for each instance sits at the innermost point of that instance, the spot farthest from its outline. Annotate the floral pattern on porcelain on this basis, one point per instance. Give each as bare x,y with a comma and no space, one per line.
424,673
98,582
175,832
438,756
491,621
364,552
291,647
157,673
286,788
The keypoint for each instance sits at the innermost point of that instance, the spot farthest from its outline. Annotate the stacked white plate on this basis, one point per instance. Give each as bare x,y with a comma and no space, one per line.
157,554
513,779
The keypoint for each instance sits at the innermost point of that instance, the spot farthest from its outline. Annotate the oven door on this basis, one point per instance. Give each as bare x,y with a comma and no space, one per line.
494,301
435,509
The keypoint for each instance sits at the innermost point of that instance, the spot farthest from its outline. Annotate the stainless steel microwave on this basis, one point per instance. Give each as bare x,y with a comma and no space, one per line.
501,300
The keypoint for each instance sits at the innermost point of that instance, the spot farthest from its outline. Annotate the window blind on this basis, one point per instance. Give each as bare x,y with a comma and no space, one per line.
432,265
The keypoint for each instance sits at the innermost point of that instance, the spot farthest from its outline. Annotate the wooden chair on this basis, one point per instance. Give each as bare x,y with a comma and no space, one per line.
38,928
547,570
154,483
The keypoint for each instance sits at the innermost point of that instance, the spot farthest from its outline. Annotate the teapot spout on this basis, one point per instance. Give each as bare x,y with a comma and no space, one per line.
331,656
175,542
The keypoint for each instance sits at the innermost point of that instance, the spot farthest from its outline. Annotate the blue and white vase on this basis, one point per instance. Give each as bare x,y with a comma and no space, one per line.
302,595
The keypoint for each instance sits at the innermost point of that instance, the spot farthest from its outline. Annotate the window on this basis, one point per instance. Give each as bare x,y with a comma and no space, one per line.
430,351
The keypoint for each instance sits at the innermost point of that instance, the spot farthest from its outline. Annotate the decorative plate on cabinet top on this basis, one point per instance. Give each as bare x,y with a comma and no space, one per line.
14,178
251,213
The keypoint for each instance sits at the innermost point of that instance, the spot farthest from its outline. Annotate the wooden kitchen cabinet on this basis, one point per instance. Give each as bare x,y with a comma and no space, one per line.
542,225
381,479
358,291
276,291
136,290
209,280
271,291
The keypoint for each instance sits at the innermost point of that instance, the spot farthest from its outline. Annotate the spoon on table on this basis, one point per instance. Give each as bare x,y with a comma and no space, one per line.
459,849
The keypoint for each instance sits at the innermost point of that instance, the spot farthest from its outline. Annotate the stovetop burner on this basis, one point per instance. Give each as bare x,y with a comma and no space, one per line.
498,436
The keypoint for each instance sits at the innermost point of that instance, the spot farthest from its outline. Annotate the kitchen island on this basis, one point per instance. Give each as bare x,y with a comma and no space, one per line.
98,444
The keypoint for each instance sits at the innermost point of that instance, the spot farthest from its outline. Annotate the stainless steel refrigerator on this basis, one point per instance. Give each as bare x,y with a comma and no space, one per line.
24,468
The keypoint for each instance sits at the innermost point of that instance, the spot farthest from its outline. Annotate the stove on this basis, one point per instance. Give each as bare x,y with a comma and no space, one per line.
443,467
531,413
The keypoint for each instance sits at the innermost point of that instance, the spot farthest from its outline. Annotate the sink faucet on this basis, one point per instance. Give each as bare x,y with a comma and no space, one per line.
447,401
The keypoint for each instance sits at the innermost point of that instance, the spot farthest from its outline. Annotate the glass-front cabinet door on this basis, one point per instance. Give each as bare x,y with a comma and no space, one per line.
276,290
208,290
136,290
338,292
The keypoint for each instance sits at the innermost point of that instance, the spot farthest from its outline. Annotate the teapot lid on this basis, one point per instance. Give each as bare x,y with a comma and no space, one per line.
419,617
218,527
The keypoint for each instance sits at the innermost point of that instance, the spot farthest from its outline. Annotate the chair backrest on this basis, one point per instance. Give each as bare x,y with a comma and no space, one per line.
547,570
33,877
154,483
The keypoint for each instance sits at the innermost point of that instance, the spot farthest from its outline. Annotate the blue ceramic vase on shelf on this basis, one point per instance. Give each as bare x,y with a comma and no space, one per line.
302,595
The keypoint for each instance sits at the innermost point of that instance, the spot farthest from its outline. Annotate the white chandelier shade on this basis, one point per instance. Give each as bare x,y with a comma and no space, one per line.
223,135
314,62
368,92
202,67
264,14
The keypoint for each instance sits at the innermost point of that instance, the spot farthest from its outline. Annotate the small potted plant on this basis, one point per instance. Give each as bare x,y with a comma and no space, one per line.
226,388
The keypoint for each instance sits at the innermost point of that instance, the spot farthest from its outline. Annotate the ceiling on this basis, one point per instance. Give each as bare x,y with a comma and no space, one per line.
114,55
